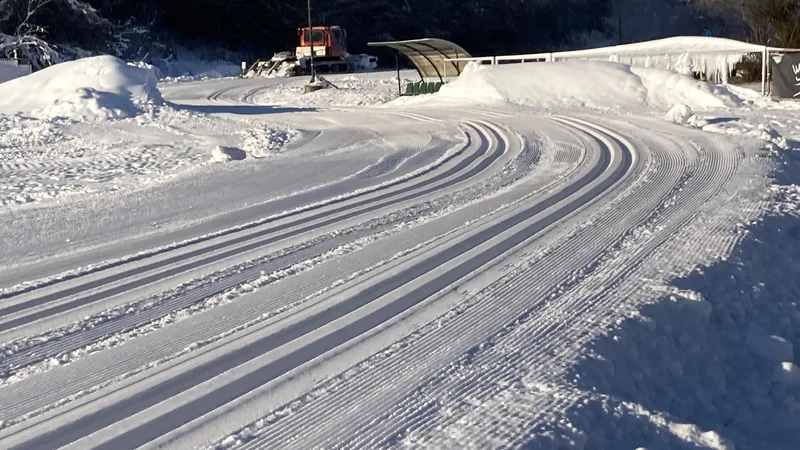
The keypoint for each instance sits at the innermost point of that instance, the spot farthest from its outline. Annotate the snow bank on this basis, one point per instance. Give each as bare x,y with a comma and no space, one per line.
586,84
96,88
682,54
726,380
736,126
191,70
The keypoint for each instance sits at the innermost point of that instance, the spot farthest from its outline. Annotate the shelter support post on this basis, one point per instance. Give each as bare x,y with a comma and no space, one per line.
764,68
424,54
397,66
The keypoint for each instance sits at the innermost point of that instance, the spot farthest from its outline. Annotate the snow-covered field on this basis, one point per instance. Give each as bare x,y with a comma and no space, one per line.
577,255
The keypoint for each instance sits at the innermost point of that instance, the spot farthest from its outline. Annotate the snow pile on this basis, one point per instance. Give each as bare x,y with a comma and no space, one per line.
737,126
679,114
713,363
584,84
787,199
265,141
683,54
101,87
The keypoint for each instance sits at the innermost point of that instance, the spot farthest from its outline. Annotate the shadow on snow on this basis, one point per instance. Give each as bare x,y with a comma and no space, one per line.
711,364
239,109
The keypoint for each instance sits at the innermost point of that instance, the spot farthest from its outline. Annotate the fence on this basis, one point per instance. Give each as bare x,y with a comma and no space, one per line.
13,68
688,54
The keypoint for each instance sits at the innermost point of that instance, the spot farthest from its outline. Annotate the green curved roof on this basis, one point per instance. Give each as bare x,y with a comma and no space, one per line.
428,56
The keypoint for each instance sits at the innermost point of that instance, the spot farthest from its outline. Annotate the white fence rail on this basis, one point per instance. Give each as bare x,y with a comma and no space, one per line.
714,56
13,68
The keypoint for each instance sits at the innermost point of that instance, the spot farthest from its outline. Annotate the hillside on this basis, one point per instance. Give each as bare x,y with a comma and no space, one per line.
212,29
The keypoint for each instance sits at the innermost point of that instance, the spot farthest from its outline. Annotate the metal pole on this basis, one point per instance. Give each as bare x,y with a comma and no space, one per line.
764,63
311,36
397,65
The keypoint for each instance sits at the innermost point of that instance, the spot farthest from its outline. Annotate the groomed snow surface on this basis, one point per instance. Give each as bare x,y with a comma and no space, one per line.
573,255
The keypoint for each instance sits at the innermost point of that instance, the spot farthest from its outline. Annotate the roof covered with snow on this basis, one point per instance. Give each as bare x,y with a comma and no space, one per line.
674,45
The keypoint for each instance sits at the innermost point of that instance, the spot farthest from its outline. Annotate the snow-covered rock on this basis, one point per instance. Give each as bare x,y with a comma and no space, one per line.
224,154
679,114
95,88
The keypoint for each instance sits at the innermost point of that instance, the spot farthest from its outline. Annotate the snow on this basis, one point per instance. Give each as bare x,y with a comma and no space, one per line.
788,374
184,70
679,114
660,313
222,154
682,54
96,88
581,84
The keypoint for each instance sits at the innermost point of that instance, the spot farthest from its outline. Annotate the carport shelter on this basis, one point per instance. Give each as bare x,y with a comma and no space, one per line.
430,57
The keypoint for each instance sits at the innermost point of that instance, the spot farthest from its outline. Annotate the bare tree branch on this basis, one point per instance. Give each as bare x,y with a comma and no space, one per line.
33,7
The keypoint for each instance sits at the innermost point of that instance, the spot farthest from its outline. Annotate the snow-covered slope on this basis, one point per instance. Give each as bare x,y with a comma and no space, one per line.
101,87
440,272
596,85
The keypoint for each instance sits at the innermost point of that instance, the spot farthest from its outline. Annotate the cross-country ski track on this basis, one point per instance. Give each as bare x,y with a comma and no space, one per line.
441,285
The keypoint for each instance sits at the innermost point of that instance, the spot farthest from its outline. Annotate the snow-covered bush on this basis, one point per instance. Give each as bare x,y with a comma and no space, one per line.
37,51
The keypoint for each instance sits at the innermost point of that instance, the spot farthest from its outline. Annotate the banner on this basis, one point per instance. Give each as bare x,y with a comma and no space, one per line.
786,75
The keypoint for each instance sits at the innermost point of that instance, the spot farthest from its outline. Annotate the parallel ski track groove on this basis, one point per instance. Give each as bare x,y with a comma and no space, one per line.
597,290
487,383
371,205
242,316
154,428
490,317
430,288
27,287
50,349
